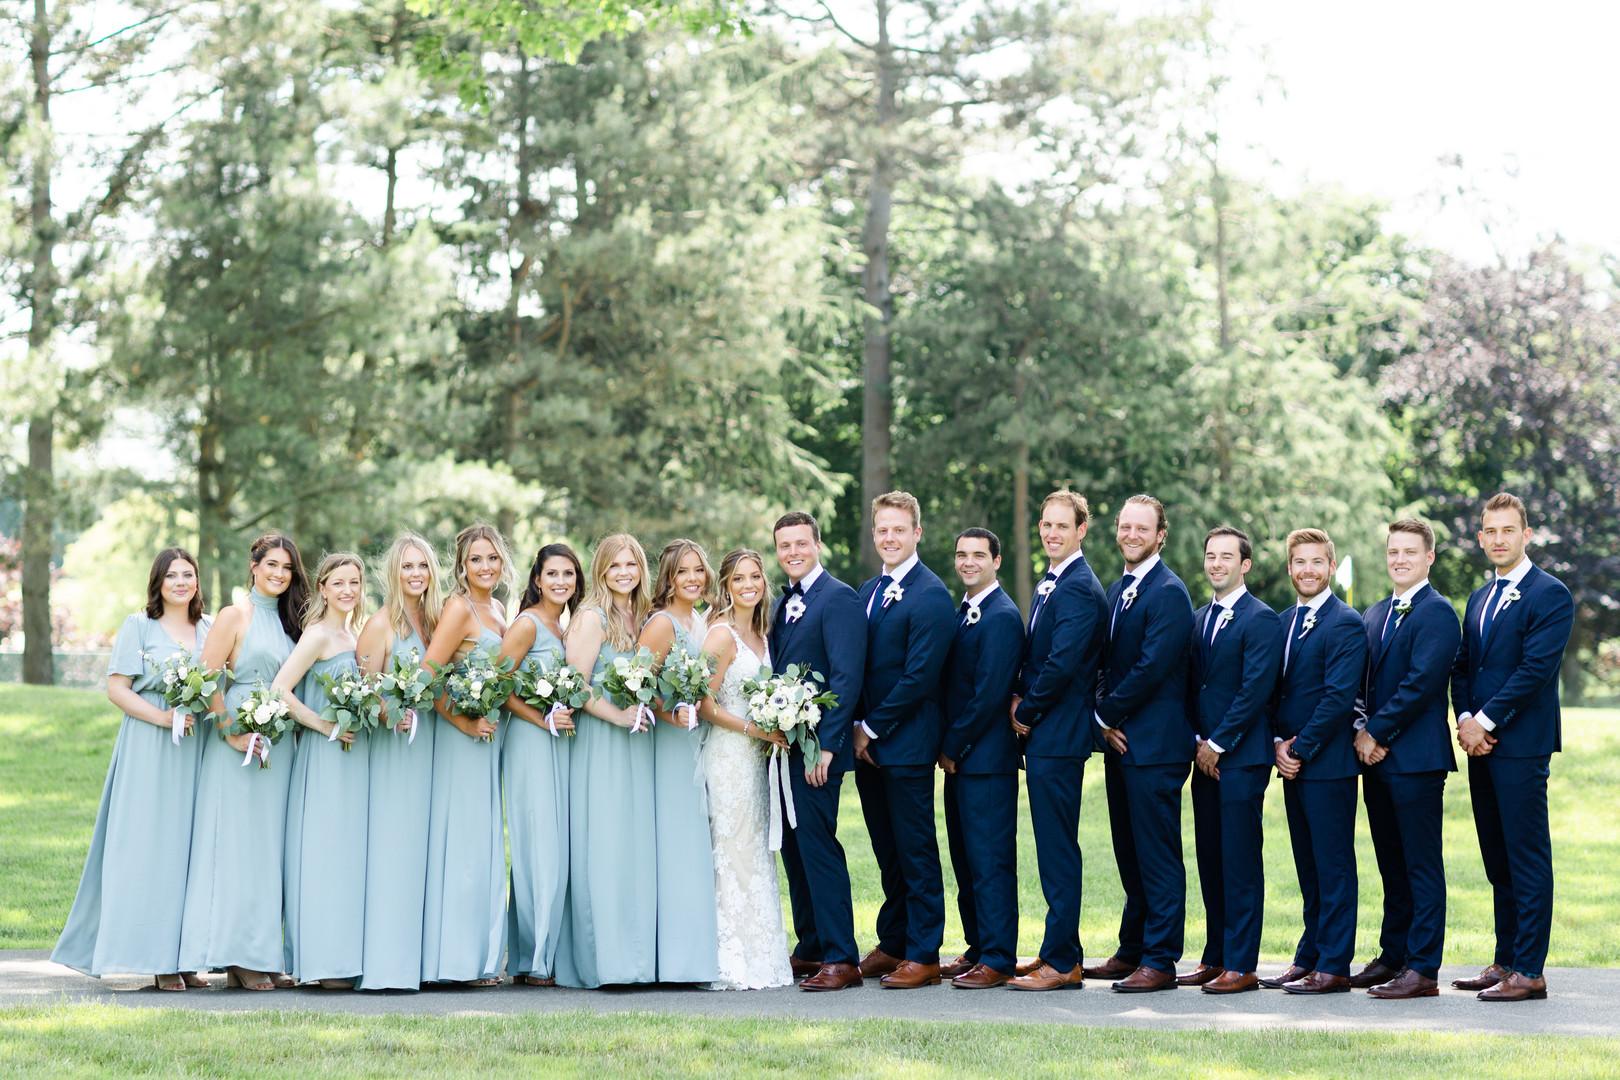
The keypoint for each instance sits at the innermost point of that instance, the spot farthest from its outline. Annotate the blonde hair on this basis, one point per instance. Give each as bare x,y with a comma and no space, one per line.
899,500
1310,536
330,564
394,598
464,542
600,597
669,561
761,620
1073,500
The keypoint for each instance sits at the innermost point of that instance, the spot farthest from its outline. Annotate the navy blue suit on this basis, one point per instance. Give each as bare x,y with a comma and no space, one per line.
1316,707
1409,660
1511,675
1057,683
1143,692
1230,684
830,638
981,797
906,644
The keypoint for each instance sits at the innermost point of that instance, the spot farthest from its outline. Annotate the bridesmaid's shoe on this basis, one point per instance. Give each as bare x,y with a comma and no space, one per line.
195,981
244,979
480,983
337,984
534,980
283,982
168,982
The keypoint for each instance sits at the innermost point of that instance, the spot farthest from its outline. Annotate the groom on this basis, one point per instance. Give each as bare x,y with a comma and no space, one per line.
819,624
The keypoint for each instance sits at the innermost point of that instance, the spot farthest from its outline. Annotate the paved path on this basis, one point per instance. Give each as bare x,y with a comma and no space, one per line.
1583,1001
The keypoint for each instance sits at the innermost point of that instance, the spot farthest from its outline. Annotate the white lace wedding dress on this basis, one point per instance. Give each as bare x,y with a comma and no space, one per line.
753,944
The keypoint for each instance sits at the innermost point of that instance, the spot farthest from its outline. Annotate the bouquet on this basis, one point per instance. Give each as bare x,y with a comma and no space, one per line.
353,703
790,702
684,681
630,681
478,684
553,686
265,718
407,688
188,691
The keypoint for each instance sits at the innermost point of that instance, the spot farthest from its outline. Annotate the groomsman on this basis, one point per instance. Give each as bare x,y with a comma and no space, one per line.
1313,727
1232,672
1051,714
899,725
980,760
1504,690
1404,745
819,623
1142,712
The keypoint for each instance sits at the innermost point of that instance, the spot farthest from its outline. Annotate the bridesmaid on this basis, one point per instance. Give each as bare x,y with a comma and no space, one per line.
325,863
534,774
609,926
233,886
463,924
688,949
401,773
126,916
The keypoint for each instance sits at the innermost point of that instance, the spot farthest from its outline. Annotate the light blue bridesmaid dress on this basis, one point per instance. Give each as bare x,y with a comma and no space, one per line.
326,843
126,915
534,776
233,888
609,926
397,847
463,921
688,941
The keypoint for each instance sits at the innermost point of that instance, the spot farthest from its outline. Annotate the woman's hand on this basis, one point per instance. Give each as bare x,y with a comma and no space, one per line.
563,719
239,743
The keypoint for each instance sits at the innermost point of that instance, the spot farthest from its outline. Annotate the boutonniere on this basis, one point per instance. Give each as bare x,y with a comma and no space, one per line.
1045,588
1127,596
1310,621
795,608
893,594
1226,616
1512,595
971,617
1402,609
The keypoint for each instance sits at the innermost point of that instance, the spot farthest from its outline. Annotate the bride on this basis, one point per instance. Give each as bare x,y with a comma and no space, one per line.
753,944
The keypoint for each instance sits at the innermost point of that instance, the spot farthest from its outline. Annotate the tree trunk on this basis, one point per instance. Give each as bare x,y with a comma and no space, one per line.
1223,304
39,481
211,501
877,398
1573,673
1022,560
523,218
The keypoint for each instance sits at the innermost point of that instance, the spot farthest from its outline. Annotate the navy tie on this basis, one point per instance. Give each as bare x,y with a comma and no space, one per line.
1296,631
1392,619
1492,605
1040,600
1215,611
877,595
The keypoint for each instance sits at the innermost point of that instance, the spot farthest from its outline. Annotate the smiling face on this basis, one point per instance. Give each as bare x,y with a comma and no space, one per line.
1060,533
179,583
1503,536
746,587
414,572
691,578
557,581
623,573
1310,568
894,535
482,566
1408,559
974,564
1224,564
1138,534
342,588
273,573
797,551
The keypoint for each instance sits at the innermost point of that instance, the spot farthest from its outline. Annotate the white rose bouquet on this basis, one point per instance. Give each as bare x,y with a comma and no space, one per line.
632,682
265,718
407,688
188,690
791,703
479,684
353,703
552,686
683,682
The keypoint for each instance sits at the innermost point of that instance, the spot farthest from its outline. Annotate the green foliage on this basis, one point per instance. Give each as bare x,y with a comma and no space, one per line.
104,570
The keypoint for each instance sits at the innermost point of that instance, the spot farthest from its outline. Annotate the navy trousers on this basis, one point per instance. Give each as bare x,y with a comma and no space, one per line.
1227,822
1054,816
818,877
897,802
1510,813
981,823
1404,812
1322,832
1144,816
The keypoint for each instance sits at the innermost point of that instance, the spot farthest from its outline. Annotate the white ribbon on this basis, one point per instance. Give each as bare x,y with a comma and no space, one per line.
551,718
256,744
333,737
177,726
691,715
777,779
410,715
642,711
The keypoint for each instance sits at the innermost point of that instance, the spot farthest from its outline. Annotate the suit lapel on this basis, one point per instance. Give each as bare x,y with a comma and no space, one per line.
1512,611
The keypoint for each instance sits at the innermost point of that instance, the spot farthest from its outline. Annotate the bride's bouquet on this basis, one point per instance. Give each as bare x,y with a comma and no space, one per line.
549,687
408,689
790,702
353,703
683,682
188,692
479,684
265,718
631,682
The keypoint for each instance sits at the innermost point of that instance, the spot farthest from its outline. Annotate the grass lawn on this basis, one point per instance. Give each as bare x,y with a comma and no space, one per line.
93,1040
54,746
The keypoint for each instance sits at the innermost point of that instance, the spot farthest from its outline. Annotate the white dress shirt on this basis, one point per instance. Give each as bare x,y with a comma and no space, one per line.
1136,575
1515,578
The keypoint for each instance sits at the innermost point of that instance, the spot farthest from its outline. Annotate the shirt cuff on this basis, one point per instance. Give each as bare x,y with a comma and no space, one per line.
870,734
1361,723
1215,746
1275,739
1463,719
1102,723
1484,721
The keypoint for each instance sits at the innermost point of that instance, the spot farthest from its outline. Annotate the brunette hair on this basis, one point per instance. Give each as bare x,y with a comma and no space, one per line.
977,533
394,598
1073,500
291,604
1310,536
1415,526
1504,500
796,517
531,591
154,584
330,564
760,622
1245,548
1146,500
669,561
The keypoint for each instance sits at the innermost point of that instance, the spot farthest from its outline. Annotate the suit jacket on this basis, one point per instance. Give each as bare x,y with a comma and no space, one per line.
1513,677
1059,674
829,638
1316,694
906,645
1405,687
980,673
1144,672
1230,684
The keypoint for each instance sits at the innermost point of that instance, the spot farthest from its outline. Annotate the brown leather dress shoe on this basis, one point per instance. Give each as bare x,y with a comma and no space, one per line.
1200,975
1026,965
910,975
980,977
1232,982
1373,974
1516,987
833,977
1112,968
960,966
803,969
1294,971
1046,977
1319,982
1145,980
1403,987
1484,980
877,962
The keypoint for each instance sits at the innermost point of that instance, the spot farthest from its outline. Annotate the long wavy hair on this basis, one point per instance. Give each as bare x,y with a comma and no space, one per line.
531,591
394,598
601,597
330,564
154,585
669,561
292,603
464,542
760,621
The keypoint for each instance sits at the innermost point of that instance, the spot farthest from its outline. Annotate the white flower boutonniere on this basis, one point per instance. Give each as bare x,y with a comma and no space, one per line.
795,608
971,617
1310,621
1045,588
1128,596
1402,609
893,594
1226,616
1512,595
